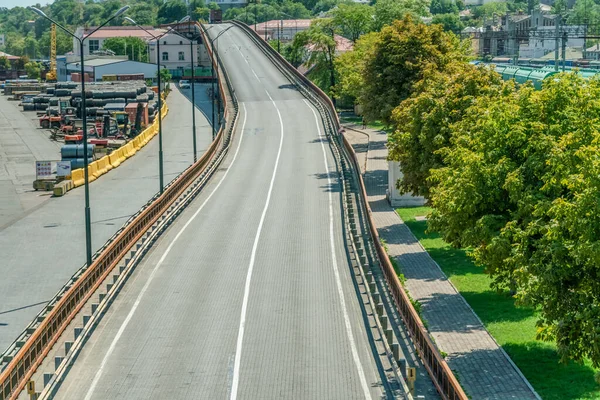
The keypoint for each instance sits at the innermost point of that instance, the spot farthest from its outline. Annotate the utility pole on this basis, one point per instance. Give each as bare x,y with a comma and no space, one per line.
564,50
556,38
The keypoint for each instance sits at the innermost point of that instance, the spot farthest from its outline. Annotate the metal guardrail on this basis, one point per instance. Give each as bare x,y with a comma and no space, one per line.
439,371
68,303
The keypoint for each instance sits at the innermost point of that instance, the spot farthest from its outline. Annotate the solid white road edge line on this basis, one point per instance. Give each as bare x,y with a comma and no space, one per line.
98,375
240,339
359,367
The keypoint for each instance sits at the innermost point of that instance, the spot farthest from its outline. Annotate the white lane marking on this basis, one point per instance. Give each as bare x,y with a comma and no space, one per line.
242,54
361,372
98,375
240,339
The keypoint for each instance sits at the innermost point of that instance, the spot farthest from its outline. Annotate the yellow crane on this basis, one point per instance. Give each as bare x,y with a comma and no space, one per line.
51,75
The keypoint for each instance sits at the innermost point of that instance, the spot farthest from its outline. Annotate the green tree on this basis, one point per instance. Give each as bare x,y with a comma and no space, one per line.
450,22
387,11
5,63
353,20
165,75
405,52
443,7
171,11
320,44
323,6
489,9
33,69
422,124
584,11
202,14
133,47
351,64
143,13
521,187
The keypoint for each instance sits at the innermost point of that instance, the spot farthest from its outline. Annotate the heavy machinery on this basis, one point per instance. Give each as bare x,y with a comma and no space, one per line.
51,75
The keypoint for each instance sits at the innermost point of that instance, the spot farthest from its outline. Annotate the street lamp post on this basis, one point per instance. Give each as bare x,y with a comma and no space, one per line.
158,56
212,63
81,40
187,19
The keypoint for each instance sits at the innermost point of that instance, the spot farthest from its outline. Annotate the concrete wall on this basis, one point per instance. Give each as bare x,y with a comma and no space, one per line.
394,197
126,67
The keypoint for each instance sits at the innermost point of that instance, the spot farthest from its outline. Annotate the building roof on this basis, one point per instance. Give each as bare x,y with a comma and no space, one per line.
3,54
571,53
274,24
595,47
123,31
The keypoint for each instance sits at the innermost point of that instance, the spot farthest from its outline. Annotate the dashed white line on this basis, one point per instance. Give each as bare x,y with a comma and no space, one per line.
98,375
242,54
356,358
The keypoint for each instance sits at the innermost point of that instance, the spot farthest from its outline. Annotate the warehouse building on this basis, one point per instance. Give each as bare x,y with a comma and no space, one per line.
98,67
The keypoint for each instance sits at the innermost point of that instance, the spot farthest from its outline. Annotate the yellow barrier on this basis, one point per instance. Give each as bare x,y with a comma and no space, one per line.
114,159
102,167
77,177
92,168
117,157
108,164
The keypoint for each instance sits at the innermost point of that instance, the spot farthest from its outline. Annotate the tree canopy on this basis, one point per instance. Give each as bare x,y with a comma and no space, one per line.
133,47
521,187
405,50
423,123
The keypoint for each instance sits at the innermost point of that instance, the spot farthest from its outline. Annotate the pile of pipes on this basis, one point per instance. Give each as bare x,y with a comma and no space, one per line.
101,98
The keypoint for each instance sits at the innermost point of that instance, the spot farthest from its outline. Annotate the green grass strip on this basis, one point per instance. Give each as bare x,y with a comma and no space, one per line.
512,327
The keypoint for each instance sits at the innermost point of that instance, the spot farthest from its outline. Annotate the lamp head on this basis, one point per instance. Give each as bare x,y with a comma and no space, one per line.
184,19
38,12
131,21
121,10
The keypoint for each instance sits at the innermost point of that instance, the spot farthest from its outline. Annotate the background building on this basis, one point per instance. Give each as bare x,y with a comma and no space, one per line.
96,40
97,67
287,28
176,55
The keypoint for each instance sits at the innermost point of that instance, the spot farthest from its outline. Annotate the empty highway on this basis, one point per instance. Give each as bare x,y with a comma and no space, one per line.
249,293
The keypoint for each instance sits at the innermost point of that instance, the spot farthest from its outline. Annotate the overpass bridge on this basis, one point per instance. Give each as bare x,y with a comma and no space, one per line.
255,275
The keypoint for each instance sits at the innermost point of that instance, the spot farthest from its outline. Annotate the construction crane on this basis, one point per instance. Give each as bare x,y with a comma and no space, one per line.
51,75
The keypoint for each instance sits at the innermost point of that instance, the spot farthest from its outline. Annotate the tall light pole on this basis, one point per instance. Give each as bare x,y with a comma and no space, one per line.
187,19
215,52
81,40
158,57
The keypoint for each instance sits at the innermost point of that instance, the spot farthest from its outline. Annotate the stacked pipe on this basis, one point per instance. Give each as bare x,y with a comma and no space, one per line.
74,154
101,98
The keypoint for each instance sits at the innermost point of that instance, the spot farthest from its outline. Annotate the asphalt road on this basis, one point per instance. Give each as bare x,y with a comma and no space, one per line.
249,293
41,250
22,143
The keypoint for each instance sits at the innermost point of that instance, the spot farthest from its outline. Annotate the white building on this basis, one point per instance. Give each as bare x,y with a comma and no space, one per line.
98,67
96,41
544,41
175,53
393,195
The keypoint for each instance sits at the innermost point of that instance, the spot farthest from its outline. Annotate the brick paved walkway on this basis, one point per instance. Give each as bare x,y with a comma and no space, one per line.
483,368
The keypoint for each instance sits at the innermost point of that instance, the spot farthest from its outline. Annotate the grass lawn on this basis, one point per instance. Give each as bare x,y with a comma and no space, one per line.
512,327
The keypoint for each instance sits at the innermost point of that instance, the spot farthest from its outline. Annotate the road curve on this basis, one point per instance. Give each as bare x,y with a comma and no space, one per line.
42,250
249,293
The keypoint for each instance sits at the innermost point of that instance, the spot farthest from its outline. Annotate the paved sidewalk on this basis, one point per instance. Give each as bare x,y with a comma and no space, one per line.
484,369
